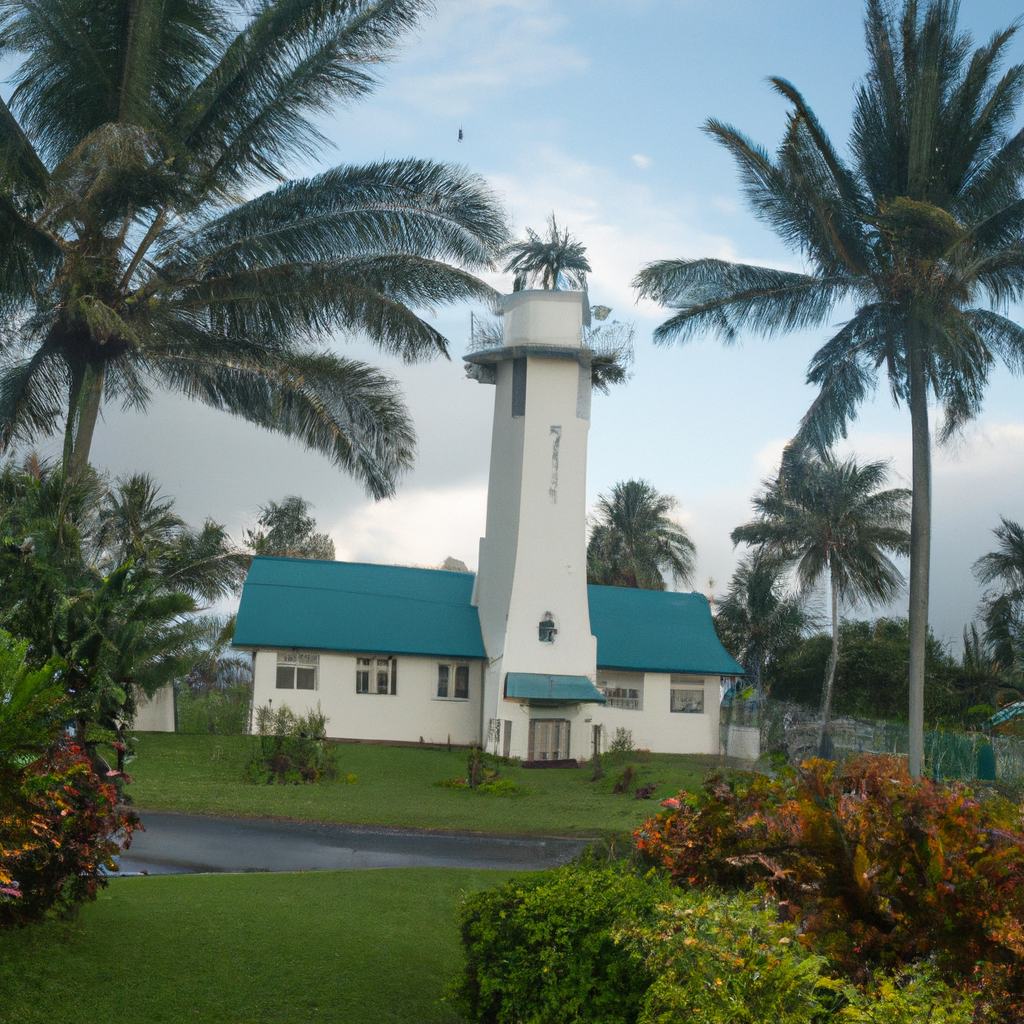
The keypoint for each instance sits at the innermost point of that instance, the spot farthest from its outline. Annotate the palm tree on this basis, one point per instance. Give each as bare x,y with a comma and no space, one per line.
1003,609
831,519
757,620
133,259
560,257
919,228
634,540
110,581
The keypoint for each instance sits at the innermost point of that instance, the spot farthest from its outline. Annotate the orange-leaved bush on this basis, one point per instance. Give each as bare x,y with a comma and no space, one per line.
876,866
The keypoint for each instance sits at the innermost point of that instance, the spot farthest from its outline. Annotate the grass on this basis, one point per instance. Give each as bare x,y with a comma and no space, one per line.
332,946
397,786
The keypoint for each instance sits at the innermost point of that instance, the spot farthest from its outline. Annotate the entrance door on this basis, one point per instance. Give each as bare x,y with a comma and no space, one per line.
549,739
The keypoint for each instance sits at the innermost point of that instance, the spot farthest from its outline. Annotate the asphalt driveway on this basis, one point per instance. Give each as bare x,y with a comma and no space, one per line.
188,843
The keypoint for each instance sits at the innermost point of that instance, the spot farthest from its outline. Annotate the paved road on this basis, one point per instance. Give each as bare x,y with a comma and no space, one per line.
186,843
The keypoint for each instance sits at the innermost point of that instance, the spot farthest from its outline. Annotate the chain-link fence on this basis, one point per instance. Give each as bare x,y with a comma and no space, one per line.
794,730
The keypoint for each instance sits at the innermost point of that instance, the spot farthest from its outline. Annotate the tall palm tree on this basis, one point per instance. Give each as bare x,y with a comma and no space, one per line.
918,228
136,252
560,258
1003,609
833,521
757,620
635,541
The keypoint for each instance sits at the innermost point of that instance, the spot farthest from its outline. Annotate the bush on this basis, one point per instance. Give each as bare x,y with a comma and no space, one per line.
541,948
291,749
880,868
58,837
225,711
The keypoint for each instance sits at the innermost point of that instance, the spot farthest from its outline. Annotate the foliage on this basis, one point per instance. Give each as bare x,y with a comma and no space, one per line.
621,745
542,948
757,622
132,257
107,578
560,258
634,540
1003,607
879,867
871,680
58,836
291,748
917,228
726,959
287,530
224,710
914,996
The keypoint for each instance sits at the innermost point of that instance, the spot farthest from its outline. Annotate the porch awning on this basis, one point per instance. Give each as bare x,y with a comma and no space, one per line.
567,689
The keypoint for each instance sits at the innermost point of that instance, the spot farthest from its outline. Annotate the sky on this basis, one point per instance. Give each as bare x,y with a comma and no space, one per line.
592,109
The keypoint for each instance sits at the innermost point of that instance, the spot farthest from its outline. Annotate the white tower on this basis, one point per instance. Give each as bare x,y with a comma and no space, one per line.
531,587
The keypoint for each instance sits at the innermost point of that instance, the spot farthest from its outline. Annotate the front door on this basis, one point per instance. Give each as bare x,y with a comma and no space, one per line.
549,739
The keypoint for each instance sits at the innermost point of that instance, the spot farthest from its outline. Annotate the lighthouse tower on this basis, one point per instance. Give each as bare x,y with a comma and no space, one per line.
531,587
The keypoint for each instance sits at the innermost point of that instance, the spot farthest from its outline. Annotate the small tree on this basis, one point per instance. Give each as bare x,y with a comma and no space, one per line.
560,258
288,531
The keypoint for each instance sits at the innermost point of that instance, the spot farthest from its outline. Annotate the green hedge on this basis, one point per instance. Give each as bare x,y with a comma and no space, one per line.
224,711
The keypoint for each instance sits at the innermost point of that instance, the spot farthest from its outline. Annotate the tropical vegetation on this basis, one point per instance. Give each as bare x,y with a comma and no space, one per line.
635,542
917,227
287,530
758,620
1002,571
833,521
143,248
557,260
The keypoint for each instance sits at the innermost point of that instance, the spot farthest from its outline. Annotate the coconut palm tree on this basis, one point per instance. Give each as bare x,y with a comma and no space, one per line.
758,620
634,540
832,520
140,251
558,258
918,228
1003,608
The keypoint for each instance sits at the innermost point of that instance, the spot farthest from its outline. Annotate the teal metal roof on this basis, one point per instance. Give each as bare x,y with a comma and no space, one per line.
394,609
656,631
535,686
352,606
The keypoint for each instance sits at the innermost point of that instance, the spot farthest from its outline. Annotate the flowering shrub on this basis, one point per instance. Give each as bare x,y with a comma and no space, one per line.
877,866
58,835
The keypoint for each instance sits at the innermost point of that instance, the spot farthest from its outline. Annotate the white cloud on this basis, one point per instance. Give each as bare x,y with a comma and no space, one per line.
420,527
643,162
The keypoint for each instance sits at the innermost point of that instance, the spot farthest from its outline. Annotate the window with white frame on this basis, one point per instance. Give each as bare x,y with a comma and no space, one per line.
687,700
297,671
622,690
452,681
378,674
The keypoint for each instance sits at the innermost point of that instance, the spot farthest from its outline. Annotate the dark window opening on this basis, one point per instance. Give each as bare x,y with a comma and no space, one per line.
518,387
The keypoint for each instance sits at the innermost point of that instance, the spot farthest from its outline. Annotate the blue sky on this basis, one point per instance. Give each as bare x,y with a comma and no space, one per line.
592,109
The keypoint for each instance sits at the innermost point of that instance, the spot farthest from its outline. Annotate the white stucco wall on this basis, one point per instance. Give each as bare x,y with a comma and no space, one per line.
156,713
655,726
415,711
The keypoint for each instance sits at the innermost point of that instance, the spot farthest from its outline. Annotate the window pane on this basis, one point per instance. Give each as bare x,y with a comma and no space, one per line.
305,678
688,701
394,675
442,680
363,681
382,680
462,681
285,677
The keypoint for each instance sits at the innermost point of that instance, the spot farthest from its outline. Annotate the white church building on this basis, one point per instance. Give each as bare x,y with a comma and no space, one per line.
523,658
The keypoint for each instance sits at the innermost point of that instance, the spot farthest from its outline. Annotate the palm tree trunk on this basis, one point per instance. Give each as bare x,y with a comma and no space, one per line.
824,742
82,422
920,548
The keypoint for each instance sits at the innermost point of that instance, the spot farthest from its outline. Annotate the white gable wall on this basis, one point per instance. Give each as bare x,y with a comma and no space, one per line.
412,714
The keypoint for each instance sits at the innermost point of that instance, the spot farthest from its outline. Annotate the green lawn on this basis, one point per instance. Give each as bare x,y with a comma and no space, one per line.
203,774
344,946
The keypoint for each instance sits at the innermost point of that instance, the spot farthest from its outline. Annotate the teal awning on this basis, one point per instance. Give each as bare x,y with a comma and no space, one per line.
535,686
